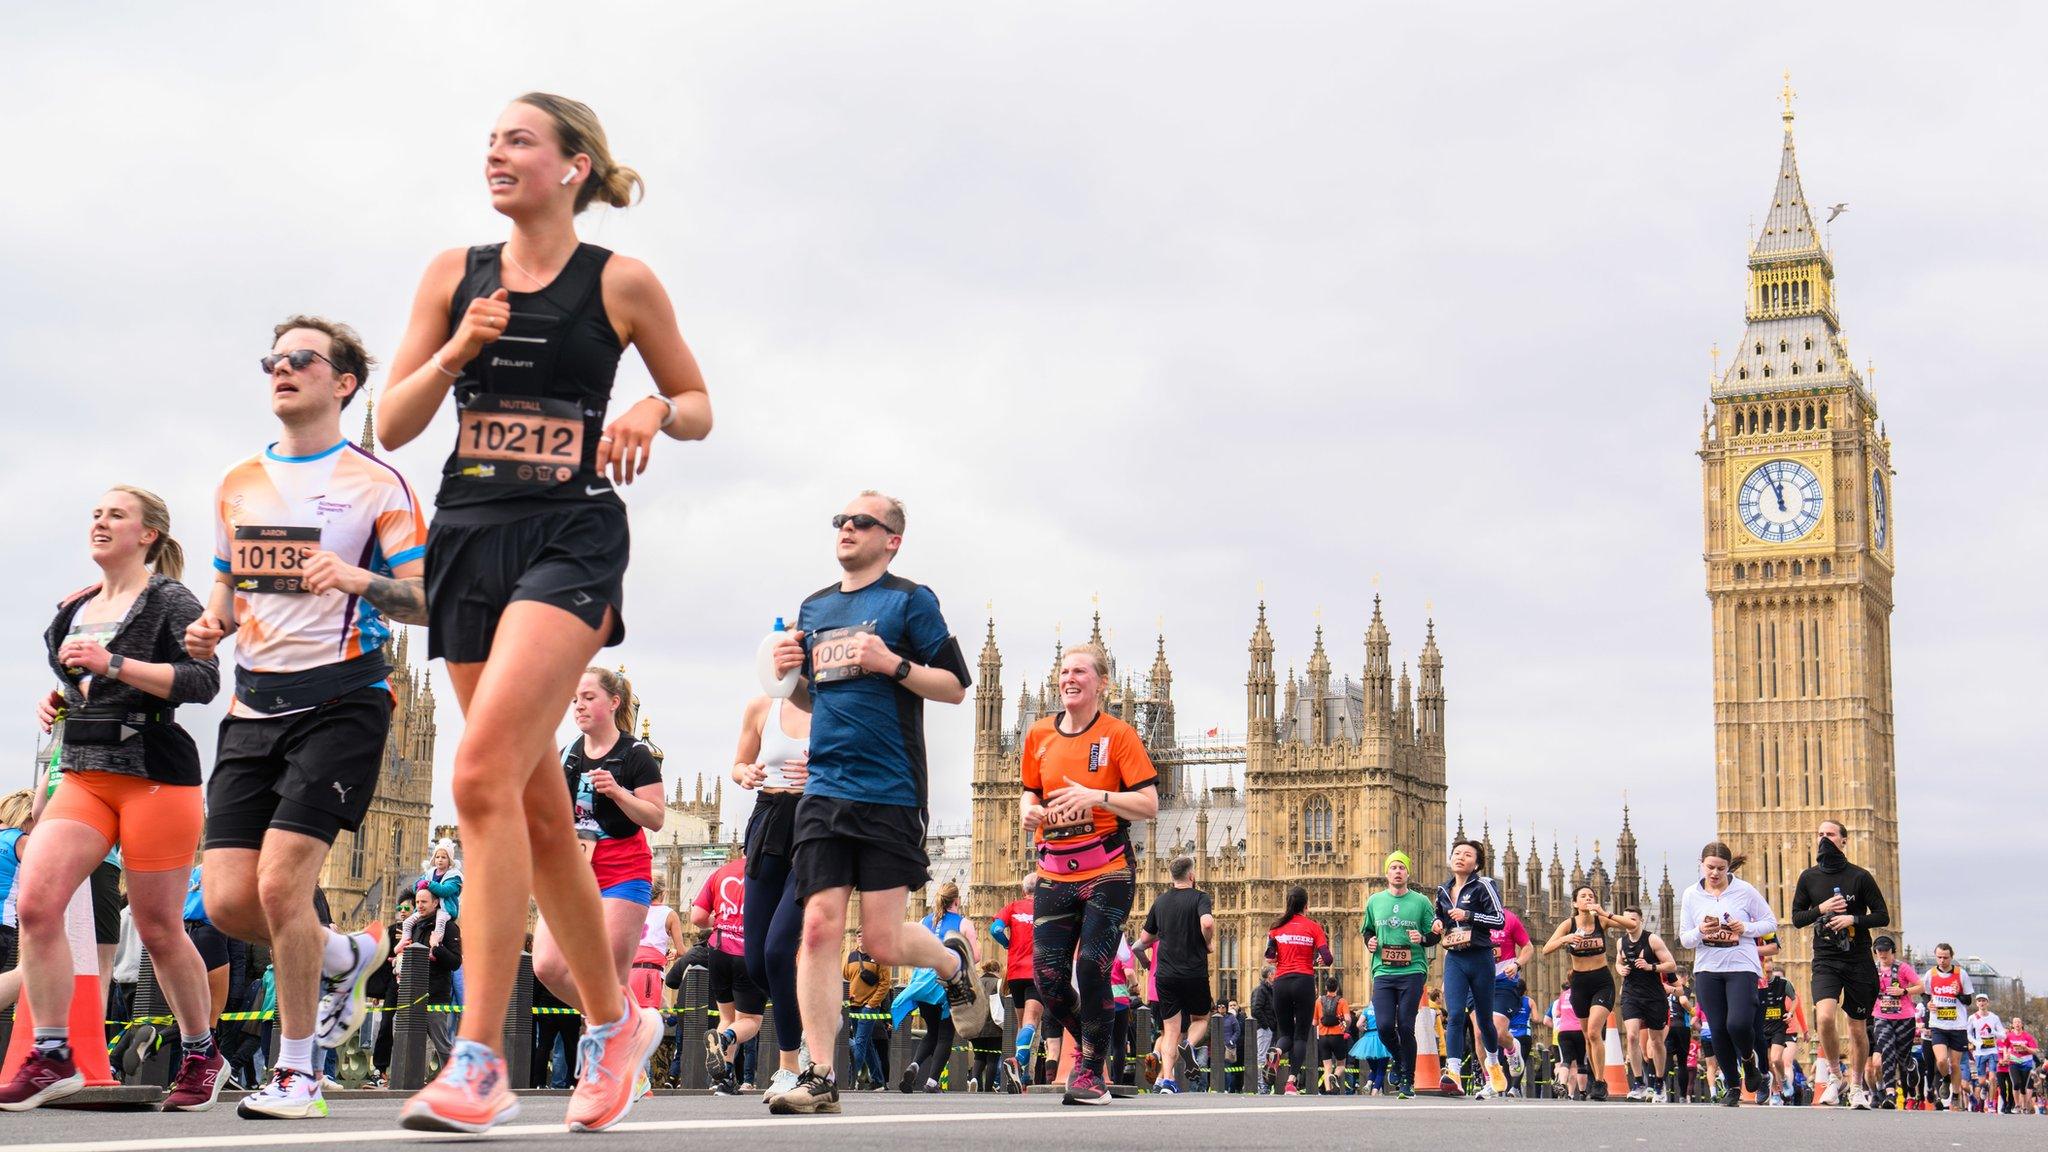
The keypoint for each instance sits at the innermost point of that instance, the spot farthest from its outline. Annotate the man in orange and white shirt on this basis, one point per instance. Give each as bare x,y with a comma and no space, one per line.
316,542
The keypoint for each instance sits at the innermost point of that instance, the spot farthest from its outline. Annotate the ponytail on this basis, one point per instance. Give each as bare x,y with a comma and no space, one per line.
620,689
1721,851
1297,903
165,557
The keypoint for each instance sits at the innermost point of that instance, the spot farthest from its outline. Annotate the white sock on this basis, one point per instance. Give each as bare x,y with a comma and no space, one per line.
1453,1066
296,1055
337,956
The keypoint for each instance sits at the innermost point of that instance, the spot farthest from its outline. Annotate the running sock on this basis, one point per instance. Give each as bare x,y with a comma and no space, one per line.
297,1055
54,1043
200,1045
1025,1036
338,955
1453,1067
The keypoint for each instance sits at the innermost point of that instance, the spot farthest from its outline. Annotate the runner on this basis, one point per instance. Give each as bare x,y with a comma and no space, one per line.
316,542
526,560
1720,918
1948,996
874,647
1012,929
1296,944
2019,1050
1644,961
1470,908
1332,1047
773,761
720,908
1987,1031
616,798
1570,1035
1842,903
1583,936
1086,776
129,777
660,931
1677,1039
1399,926
1775,998
1512,951
925,995
1182,924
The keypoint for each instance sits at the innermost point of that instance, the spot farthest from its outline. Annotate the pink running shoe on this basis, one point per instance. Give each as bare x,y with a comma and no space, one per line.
470,1095
608,1063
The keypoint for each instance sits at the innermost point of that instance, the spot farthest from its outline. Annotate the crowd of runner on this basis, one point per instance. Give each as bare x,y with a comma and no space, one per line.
320,546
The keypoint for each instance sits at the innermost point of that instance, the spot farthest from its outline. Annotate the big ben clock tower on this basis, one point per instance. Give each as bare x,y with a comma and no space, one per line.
1797,489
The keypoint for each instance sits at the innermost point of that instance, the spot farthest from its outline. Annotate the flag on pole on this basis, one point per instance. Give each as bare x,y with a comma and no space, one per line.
1212,732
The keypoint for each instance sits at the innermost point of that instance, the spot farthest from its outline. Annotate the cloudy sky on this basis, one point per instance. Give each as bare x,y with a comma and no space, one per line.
1162,303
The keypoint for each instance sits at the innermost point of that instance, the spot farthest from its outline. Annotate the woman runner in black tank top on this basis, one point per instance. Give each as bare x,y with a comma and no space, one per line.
1583,936
525,567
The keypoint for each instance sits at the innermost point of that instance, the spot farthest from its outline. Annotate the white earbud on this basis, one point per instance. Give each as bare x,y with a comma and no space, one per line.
568,176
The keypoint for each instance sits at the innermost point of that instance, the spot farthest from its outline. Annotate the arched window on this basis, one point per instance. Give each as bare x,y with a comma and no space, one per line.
1318,826
1827,568
1823,415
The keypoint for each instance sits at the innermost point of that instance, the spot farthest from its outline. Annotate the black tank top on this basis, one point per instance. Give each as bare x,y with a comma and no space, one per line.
531,405
1634,979
1575,948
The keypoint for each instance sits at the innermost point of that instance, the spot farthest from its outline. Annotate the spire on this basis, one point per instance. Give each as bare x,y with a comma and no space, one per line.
1461,824
1162,673
988,695
1259,720
1318,692
1628,877
1095,632
1379,672
369,441
1788,226
1432,689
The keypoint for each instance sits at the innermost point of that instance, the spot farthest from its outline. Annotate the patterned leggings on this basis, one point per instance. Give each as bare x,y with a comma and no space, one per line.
1892,1042
1076,928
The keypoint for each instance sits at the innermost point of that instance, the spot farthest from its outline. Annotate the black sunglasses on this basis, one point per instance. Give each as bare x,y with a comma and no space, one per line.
860,520
299,358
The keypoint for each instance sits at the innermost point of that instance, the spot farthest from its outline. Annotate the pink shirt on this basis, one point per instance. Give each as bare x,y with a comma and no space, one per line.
2018,1045
1894,1007
1566,1019
1508,941
724,896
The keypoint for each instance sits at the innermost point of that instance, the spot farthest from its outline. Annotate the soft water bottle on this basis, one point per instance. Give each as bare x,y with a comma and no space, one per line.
780,687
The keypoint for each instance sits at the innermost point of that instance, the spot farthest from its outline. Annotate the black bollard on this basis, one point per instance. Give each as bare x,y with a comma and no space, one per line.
843,1065
691,1001
518,1047
409,1023
7,962
768,1046
903,1045
148,1048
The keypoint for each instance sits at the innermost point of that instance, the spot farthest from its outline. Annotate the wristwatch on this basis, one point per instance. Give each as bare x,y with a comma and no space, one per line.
903,671
114,663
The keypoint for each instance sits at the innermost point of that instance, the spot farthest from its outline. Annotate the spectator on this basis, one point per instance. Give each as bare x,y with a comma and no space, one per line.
1265,1018
986,1046
443,877
555,1030
868,990
1232,1027
443,939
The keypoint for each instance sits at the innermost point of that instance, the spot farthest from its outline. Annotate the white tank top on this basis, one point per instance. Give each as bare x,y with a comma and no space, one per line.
654,933
778,746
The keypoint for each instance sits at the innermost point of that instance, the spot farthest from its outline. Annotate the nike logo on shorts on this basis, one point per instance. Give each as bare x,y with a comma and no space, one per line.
597,491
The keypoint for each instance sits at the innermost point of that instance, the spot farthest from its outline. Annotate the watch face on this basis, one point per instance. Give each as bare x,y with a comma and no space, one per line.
1779,501
1879,522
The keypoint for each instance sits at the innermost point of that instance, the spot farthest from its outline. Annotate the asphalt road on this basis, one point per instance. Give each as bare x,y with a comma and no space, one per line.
1154,1124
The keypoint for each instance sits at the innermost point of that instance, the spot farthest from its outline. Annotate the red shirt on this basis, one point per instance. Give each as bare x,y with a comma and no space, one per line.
1297,942
1016,920
724,895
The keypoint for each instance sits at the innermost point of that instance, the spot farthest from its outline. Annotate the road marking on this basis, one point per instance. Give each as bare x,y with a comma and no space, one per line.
272,1137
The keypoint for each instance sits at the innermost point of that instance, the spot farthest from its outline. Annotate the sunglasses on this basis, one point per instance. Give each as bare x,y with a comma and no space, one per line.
299,358
860,520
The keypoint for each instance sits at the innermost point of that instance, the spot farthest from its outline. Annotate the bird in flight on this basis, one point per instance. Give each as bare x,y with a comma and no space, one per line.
1835,210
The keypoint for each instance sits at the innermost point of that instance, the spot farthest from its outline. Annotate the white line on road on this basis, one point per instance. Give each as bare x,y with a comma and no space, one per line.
276,1137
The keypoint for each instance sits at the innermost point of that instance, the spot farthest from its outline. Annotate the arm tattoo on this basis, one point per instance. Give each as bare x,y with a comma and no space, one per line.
404,601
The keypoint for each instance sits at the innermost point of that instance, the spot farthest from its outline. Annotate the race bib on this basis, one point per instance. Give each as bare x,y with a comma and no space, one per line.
1071,831
835,654
1948,1014
272,558
1888,1005
1393,956
1457,937
526,440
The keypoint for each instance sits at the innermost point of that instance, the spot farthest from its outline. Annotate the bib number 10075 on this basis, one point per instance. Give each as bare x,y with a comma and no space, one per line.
520,440
272,558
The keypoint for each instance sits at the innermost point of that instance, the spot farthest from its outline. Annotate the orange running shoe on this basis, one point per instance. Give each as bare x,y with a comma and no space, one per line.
608,1064
470,1095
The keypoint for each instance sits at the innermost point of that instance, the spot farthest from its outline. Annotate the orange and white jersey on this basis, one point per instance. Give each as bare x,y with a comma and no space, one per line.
271,514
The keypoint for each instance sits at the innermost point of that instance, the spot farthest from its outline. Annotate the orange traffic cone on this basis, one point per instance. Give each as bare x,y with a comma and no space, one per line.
1069,1048
88,1033
1429,1071
1617,1066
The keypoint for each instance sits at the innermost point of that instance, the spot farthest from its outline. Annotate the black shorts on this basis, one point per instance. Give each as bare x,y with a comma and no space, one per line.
212,945
870,847
1590,989
1653,1011
1333,1047
1571,1050
1189,994
1852,981
311,772
771,828
1956,1040
573,557
106,903
730,984
1024,992
1768,1037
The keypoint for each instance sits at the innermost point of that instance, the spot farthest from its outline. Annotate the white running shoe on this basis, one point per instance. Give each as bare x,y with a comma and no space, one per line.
1859,1098
1776,1101
783,1081
288,1095
1829,1097
341,996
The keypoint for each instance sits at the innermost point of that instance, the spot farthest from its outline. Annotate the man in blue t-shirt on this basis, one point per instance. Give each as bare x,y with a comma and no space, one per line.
874,647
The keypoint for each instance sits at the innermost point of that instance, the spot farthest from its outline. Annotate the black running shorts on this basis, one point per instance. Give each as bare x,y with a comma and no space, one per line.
1571,1050
212,945
311,772
573,557
1333,1048
730,984
1850,980
1653,1011
1189,994
1595,987
854,843
1024,992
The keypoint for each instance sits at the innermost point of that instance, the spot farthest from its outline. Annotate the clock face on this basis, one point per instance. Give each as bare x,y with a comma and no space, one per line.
1879,511
1779,501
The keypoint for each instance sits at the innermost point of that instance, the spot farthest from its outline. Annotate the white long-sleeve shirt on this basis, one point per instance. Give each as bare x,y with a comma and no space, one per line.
1741,903
1986,1030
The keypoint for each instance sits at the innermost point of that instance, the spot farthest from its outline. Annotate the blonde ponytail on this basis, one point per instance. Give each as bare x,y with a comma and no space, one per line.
620,689
578,132
165,557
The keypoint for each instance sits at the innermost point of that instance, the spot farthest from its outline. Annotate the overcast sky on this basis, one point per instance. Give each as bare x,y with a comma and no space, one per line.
1160,302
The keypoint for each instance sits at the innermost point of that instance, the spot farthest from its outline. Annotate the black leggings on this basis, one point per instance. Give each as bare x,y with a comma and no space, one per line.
1076,928
1677,1077
1294,1000
937,1045
1394,1003
1729,1000
774,922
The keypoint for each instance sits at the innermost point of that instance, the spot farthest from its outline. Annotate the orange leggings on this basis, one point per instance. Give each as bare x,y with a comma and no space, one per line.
156,825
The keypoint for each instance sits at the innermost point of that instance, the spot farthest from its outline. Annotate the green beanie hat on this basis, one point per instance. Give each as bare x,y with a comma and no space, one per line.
1401,858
